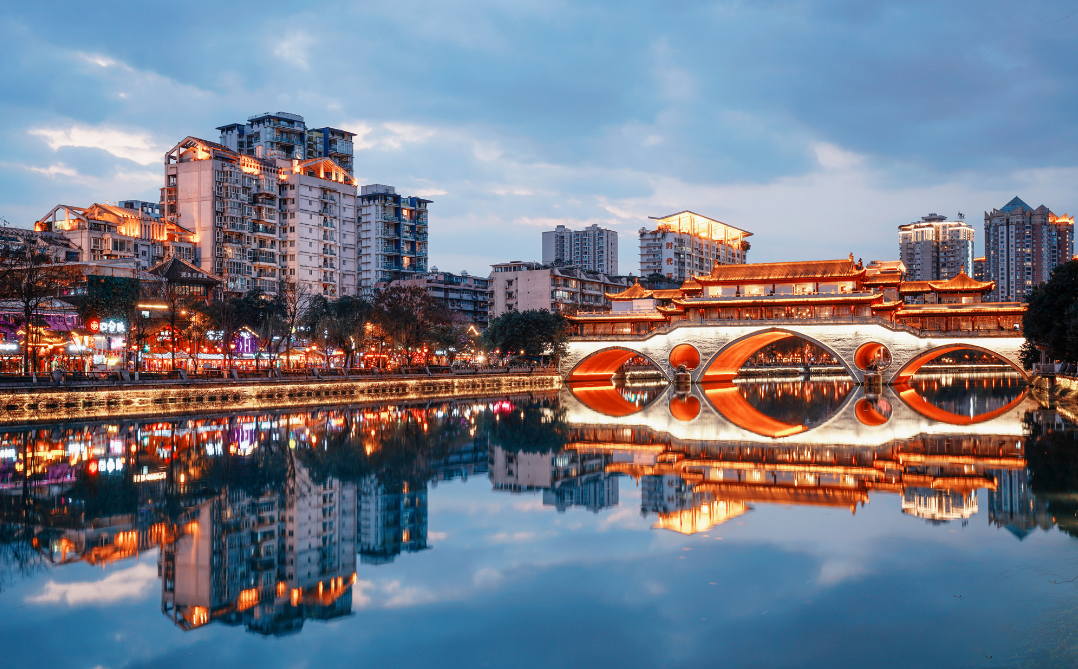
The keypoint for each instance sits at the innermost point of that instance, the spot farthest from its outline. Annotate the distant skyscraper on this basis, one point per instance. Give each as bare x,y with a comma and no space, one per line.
592,248
935,248
1022,247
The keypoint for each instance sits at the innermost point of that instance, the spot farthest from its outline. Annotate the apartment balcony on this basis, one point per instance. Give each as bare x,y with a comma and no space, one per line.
393,218
328,197
392,250
389,265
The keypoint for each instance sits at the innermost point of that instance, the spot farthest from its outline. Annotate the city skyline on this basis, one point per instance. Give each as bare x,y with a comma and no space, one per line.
836,142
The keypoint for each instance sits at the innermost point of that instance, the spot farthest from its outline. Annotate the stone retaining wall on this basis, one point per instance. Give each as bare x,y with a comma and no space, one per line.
54,405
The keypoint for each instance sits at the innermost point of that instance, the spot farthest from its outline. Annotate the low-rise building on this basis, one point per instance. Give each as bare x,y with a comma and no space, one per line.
111,232
522,286
462,294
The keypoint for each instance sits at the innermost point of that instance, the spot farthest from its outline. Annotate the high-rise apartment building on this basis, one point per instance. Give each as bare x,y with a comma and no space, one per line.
592,248
935,248
286,136
522,286
686,243
258,223
392,236
1022,247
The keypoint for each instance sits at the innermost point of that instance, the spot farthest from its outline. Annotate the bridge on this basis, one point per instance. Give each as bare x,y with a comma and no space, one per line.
867,319
718,412
715,351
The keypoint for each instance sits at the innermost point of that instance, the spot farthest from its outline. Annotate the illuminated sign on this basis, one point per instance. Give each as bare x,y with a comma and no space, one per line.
107,327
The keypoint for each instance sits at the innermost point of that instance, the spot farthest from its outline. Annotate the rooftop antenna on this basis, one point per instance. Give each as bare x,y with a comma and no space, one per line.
961,216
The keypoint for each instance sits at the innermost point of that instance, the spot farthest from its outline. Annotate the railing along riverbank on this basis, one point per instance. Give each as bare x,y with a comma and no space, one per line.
112,398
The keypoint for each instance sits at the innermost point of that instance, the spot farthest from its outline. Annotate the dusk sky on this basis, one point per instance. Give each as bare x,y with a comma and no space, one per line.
819,126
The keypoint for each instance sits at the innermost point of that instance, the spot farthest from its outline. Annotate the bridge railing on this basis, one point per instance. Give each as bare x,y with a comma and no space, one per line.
848,320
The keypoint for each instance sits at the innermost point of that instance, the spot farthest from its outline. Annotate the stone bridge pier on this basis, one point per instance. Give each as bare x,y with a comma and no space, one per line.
715,352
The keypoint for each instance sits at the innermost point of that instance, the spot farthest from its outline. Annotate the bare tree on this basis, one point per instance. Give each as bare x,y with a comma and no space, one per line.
31,274
295,301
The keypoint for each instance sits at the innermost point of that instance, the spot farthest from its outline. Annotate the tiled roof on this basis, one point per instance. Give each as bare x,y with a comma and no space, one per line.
634,292
782,271
962,282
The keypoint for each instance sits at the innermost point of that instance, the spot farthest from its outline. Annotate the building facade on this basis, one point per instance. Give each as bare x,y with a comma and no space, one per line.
521,286
392,236
593,248
110,232
935,248
462,294
259,223
687,243
284,136
1022,247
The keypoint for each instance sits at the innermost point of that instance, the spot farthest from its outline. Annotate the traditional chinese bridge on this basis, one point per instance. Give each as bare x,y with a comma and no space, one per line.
868,320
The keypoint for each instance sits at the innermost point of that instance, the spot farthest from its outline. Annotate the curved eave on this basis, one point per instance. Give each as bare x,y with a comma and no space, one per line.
638,316
778,300
991,308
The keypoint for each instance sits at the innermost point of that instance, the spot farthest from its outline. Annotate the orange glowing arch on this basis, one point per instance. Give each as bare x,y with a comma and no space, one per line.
601,365
726,363
928,410
603,397
736,409
684,408
868,414
685,354
910,368
866,354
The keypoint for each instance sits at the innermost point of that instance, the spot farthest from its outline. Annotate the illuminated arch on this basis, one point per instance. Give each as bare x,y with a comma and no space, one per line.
685,354
868,414
729,402
867,353
603,397
922,406
910,368
725,364
602,364
684,408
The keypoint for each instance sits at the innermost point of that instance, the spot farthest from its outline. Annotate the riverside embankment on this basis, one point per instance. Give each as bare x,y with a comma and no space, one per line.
52,404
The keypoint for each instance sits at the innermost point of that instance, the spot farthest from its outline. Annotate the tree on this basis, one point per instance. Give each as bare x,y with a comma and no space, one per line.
411,318
113,297
264,315
534,332
340,323
1051,319
295,300
198,326
225,315
31,274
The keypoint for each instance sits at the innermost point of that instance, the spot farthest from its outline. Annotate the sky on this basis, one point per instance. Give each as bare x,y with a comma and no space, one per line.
819,127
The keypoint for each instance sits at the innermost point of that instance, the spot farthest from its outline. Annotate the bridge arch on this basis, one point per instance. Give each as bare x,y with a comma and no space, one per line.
906,372
601,365
724,365
913,400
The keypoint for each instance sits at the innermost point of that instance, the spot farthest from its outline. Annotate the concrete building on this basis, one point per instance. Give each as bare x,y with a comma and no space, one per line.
392,519
110,232
687,243
462,294
284,136
392,236
593,248
149,208
1022,247
522,286
979,269
318,216
258,223
935,248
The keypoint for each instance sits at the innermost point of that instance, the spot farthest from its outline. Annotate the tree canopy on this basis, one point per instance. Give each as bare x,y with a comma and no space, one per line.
534,332
1051,320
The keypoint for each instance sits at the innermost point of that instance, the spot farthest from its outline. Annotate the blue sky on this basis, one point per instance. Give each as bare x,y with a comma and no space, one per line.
818,126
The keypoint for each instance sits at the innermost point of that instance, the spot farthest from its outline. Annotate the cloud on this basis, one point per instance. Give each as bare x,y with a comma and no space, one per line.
487,577
132,583
293,48
400,596
135,146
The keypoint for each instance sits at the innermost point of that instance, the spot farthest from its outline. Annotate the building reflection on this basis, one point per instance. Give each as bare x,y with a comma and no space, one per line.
565,478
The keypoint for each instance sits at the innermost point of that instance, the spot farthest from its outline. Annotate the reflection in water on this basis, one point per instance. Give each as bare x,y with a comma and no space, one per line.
797,402
968,397
267,521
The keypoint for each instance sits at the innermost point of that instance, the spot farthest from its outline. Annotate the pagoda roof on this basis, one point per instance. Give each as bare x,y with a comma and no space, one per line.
915,287
178,268
691,285
667,294
633,292
961,282
782,271
620,316
778,300
958,309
